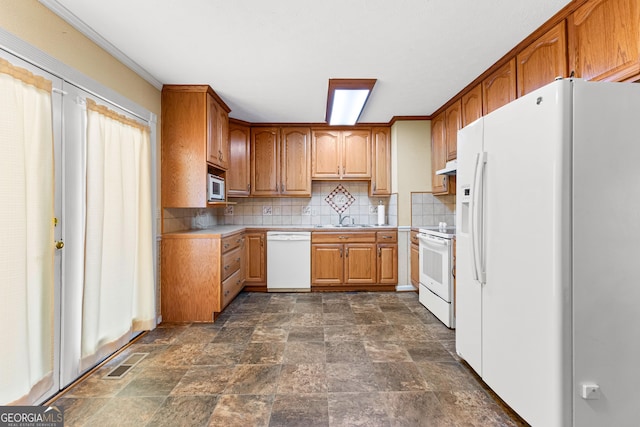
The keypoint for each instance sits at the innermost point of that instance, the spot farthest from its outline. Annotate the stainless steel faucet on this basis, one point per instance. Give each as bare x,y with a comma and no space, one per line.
342,218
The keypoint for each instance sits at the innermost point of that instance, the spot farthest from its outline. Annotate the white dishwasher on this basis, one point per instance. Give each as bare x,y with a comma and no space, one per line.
288,261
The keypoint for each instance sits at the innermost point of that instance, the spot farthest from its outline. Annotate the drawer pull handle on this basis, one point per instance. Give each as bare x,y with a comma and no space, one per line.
238,259
226,245
386,237
343,237
226,267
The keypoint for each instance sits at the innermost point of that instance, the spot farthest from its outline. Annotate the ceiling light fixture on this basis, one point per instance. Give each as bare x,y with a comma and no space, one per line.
346,99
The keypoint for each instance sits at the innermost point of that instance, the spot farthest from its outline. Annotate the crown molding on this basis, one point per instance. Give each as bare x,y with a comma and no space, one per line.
90,33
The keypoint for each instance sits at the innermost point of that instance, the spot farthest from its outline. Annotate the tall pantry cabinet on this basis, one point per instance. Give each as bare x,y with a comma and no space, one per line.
195,141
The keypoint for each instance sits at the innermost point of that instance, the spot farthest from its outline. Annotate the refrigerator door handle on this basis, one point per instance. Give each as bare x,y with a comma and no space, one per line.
477,235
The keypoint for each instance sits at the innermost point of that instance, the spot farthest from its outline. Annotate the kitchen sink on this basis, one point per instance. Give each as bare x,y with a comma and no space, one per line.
344,226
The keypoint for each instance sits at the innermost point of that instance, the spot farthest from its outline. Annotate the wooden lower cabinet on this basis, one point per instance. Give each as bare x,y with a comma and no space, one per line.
388,263
327,265
256,259
415,260
354,259
360,263
201,274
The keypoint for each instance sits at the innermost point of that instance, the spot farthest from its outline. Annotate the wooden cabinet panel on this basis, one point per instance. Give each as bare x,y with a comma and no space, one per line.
340,154
325,154
187,280
453,123
360,263
415,265
239,173
256,258
213,144
295,162
543,60
184,137
327,264
217,134
381,161
471,105
223,138
387,263
356,154
265,177
604,40
499,88
231,287
439,183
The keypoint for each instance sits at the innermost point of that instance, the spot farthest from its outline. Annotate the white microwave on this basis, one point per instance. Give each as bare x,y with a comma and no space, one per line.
215,188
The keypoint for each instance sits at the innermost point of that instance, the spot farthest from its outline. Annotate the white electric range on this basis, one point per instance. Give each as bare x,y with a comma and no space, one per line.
436,272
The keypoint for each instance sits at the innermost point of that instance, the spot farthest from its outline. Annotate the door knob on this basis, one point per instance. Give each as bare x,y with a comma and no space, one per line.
59,244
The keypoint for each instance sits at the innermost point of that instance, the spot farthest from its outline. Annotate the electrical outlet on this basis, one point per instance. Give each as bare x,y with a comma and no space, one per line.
266,210
228,210
306,210
373,209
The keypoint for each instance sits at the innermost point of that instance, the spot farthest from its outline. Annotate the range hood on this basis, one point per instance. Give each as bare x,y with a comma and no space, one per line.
449,169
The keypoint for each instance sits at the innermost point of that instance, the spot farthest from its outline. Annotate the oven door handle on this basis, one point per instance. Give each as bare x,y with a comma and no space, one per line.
428,240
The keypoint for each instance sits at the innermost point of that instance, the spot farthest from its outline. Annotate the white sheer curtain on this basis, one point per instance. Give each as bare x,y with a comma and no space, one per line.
26,227
119,290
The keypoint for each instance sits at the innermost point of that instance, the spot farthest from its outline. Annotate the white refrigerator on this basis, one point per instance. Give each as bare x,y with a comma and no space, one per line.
548,253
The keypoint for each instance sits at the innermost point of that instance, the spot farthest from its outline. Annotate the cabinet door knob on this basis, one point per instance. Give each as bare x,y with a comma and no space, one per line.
59,244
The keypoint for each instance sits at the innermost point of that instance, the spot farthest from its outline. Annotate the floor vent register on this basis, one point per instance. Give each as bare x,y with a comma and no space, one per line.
124,367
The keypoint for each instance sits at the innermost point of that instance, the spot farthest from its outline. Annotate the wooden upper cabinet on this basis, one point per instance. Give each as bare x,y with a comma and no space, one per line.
471,105
239,173
604,40
337,154
356,154
325,154
280,161
265,179
381,162
499,88
439,183
453,123
543,60
189,142
217,134
295,161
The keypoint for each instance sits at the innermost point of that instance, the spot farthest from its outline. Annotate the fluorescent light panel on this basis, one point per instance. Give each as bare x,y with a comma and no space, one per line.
346,99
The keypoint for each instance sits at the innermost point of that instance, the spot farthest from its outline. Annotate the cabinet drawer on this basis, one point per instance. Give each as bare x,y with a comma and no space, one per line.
231,262
231,287
337,237
387,236
232,242
414,238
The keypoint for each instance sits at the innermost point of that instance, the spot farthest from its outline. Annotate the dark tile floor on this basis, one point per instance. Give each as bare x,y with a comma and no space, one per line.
287,359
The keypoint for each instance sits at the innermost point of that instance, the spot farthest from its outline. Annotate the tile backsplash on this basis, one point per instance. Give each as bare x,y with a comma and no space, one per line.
427,209
312,210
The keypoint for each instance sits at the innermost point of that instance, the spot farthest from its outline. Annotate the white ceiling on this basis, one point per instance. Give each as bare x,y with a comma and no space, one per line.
271,60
